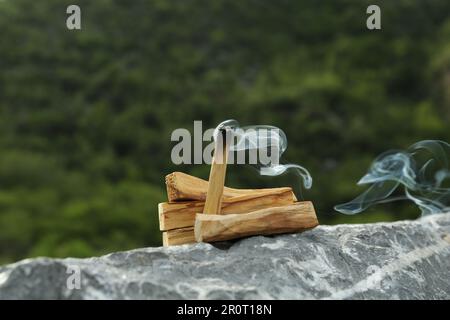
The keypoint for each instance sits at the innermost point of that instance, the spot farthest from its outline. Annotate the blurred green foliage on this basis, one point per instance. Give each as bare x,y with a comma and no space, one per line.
86,116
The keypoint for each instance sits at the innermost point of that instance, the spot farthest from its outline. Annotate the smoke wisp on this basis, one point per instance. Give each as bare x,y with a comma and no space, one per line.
422,171
265,146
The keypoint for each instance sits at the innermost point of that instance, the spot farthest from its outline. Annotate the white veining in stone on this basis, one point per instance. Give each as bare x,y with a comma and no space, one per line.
401,260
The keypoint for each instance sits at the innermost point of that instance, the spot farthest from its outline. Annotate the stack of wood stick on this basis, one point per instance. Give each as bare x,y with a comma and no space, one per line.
242,212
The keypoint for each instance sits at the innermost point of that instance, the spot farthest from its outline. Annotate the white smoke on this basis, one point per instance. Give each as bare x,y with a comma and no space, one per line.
422,170
263,138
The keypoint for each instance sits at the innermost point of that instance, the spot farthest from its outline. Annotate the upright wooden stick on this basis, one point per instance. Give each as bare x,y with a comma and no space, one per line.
217,174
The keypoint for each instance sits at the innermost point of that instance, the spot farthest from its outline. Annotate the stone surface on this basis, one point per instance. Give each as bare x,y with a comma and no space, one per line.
402,260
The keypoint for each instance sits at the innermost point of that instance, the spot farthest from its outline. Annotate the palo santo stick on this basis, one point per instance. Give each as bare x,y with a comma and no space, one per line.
178,236
292,218
182,187
217,174
182,214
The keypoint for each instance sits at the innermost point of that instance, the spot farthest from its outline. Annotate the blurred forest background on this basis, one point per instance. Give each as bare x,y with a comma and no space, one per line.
86,116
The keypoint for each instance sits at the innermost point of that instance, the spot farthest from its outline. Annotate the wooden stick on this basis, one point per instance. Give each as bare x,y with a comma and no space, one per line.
183,187
292,218
216,182
182,214
178,236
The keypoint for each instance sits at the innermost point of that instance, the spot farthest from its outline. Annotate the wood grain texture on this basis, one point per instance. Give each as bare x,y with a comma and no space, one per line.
285,219
182,187
182,214
216,182
178,236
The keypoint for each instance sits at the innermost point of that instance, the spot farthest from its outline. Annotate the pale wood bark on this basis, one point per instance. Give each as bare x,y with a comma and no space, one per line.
178,236
183,187
216,182
285,219
182,214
